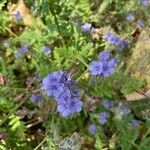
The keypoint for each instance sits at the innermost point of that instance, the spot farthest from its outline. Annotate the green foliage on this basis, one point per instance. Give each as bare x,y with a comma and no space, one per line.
4,18
129,83
118,82
2,4
58,24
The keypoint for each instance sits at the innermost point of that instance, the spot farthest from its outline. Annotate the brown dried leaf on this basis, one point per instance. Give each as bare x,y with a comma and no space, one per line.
134,96
139,62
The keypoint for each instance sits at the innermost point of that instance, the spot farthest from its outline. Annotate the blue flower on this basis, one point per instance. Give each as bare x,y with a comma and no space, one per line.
108,67
86,27
95,67
129,17
24,48
52,78
104,55
63,108
69,106
135,122
92,129
35,98
110,38
47,50
121,44
65,95
103,117
75,105
18,15
113,39
52,84
145,2
124,110
105,66
55,90
108,104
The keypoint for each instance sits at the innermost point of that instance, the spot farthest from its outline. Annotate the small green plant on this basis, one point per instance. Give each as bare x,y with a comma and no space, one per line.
67,72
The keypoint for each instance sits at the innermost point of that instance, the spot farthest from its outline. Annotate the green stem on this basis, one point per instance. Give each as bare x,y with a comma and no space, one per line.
55,19
40,144
44,140
104,6
75,36
3,63
51,8
80,77
10,113
11,32
82,60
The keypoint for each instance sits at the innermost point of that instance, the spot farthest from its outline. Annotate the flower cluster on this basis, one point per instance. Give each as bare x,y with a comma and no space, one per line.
105,66
22,50
59,85
105,115
115,40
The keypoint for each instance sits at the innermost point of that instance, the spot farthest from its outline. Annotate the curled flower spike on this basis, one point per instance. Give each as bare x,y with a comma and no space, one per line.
59,85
